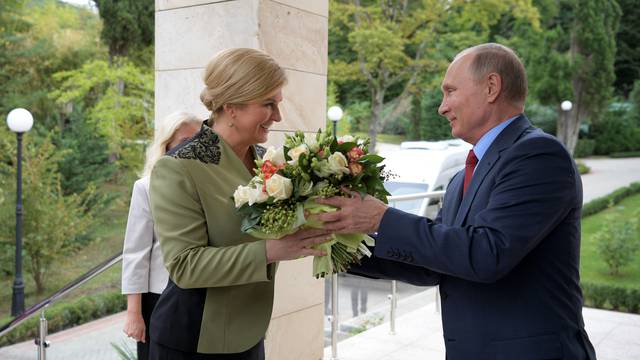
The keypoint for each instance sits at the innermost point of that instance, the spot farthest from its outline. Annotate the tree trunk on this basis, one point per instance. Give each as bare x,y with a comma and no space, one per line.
376,117
569,123
37,273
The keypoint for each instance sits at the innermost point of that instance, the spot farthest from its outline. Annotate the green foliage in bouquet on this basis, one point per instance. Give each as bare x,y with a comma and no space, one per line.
279,199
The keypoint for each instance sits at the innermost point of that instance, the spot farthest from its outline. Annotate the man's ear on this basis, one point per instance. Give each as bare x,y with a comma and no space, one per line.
494,87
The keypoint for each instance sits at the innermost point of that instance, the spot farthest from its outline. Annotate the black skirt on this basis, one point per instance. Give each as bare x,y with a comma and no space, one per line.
161,352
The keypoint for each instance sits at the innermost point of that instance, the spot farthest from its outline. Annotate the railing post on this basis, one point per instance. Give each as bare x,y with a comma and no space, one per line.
394,304
41,340
334,317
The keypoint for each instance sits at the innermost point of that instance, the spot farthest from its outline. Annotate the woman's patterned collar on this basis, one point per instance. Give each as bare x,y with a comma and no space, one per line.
203,146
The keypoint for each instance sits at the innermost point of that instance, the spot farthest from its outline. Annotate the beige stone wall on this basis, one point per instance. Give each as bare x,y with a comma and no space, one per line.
294,32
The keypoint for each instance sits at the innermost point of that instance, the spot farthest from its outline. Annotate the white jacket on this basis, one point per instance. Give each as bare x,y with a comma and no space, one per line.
143,268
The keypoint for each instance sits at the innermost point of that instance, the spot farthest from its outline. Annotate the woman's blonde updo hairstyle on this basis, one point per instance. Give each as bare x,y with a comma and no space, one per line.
163,135
240,76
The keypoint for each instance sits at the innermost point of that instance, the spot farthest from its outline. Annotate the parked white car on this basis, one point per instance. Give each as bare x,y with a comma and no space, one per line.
423,166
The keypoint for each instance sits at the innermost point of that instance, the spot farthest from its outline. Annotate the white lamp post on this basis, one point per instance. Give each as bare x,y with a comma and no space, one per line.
566,105
19,121
335,114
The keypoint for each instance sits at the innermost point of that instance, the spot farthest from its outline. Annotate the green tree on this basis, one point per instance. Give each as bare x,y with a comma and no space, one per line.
87,160
397,47
128,25
573,59
123,118
593,48
388,41
627,64
51,220
50,36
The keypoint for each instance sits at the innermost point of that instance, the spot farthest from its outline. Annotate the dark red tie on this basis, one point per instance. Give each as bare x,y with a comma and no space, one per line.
469,166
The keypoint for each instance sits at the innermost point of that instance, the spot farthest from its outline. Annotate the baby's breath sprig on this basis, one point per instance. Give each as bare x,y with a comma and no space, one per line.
328,191
278,217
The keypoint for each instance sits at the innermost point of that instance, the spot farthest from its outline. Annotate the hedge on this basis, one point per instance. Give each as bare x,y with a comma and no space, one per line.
598,204
611,297
584,148
625,154
65,315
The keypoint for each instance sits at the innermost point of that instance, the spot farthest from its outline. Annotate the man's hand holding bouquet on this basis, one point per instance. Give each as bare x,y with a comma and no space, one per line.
281,197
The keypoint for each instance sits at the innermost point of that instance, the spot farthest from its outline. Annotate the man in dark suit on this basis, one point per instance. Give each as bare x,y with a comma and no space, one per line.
505,247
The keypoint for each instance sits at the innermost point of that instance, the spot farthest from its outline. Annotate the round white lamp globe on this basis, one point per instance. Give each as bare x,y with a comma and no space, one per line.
566,105
334,113
20,120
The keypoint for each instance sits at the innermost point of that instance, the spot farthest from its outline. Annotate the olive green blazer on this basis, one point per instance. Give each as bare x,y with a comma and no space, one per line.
220,291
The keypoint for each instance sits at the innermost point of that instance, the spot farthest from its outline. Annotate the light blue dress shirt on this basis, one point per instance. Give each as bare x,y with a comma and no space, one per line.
487,139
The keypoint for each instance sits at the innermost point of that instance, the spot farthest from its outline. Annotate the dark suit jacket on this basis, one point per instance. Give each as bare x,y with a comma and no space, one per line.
506,254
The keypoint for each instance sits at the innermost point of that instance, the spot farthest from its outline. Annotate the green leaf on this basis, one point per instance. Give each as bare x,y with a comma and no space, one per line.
371,159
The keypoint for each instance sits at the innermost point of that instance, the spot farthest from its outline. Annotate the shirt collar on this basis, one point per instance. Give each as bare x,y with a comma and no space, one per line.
487,139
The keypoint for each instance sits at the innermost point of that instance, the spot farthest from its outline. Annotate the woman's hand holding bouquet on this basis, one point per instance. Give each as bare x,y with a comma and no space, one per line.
279,200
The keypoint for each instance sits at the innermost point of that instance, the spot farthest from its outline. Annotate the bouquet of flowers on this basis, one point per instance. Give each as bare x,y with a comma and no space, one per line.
288,181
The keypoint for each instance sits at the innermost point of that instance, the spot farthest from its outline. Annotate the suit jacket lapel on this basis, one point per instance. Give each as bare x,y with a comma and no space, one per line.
506,138
452,199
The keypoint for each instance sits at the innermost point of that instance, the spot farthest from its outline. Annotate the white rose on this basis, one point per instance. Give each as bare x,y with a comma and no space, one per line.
338,163
305,188
242,195
345,139
312,143
322,169
296,152
279,187
276,156
256,195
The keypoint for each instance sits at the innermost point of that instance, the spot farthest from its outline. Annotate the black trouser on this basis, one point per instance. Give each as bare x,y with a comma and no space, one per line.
161,352
148,302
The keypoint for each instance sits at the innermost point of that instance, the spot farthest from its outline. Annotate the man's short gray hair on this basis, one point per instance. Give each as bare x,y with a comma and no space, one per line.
495,58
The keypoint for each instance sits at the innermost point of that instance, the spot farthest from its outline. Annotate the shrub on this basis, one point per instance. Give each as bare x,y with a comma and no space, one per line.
543,116
618,243
598,204
595,294
584,148
582,168
616,132
625,154
632,300
65,315
614,297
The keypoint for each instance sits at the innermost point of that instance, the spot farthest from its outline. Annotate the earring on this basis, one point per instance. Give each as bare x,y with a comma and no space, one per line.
230,123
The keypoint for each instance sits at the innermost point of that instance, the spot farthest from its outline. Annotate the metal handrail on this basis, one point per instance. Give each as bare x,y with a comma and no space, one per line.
393,297
416,196
30,312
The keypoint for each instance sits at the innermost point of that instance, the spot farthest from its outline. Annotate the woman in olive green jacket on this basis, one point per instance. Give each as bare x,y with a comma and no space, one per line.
217,304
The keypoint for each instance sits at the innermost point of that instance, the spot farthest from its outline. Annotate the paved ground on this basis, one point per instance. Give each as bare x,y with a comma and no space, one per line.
419,332
89,341
606,175
615,336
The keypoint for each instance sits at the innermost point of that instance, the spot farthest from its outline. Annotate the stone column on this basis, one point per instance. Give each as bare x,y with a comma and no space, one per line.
295,33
